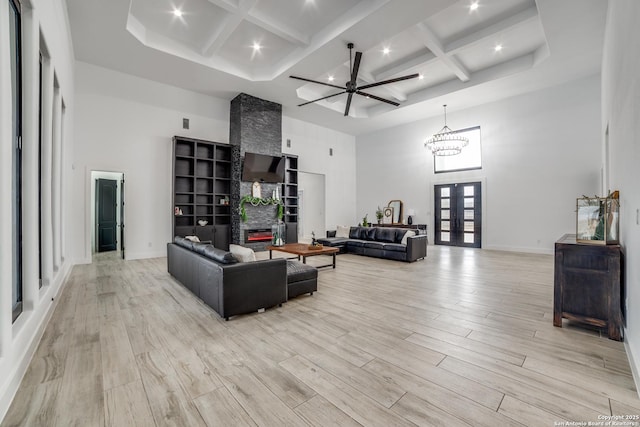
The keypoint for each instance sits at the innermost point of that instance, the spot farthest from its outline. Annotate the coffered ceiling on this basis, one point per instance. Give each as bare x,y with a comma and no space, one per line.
467,52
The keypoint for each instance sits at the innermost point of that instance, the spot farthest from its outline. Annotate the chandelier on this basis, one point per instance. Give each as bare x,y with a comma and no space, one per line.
446,142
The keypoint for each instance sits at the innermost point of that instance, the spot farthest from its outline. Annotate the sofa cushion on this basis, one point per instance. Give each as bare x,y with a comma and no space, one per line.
400,232
219,255
181,241
408,234
369,233
333,241
242,254
297,272
395,247
354,232
374,245
342,231
387,235
199,247
355,243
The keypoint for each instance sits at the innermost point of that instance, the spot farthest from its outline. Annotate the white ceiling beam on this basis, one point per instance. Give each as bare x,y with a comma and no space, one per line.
231,22
367,77
405,66
277,28
431,41
512,21
228,5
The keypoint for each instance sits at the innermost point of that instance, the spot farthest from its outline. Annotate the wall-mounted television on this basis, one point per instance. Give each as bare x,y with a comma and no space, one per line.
263,168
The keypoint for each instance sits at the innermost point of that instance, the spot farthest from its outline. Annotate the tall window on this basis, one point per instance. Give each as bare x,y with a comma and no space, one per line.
16,185
40,130
470,158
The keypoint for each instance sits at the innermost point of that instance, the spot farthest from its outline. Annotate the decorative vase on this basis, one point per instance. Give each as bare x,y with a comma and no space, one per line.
409,220
277,234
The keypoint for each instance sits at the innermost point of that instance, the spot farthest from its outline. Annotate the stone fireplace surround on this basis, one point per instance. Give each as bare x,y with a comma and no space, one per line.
256,127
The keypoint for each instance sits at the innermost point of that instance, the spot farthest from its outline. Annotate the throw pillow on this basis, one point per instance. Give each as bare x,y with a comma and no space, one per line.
407,235
342,231
243,254
192,238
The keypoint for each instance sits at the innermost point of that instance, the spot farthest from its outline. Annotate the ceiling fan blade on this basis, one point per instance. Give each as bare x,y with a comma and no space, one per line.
324,97
346,110
384,82
315,81
356,67
377,98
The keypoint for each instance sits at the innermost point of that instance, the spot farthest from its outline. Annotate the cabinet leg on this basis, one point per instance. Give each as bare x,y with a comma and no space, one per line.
557,319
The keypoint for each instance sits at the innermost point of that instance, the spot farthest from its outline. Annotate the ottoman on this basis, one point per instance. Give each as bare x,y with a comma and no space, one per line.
301,278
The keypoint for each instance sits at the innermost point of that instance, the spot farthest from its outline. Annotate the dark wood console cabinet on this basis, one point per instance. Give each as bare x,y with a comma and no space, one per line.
587,285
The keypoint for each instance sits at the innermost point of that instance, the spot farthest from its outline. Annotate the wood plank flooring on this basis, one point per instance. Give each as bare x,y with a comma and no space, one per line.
464,337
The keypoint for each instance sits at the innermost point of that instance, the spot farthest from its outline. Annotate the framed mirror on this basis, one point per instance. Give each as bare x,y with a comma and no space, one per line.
397,210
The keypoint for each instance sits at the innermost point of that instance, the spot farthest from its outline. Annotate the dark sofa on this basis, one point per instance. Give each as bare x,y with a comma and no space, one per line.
380,242
231,287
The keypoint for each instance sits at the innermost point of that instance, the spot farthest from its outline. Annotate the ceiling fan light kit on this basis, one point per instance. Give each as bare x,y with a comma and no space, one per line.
446,142
352,87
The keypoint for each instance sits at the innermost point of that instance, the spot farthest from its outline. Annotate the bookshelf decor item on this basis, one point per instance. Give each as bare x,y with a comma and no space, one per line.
597,219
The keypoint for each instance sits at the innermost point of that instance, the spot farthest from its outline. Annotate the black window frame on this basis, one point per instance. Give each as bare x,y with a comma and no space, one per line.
17,277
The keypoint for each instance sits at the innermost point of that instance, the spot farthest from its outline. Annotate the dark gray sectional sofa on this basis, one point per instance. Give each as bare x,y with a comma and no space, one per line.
231,287
380,242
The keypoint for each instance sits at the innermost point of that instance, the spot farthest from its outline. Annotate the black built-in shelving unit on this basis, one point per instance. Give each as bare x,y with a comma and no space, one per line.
202,190
290,198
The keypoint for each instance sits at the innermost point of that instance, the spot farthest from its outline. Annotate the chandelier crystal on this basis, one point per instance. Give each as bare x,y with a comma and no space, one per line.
446,142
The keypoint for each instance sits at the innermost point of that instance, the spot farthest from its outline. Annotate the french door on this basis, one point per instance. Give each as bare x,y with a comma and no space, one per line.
458,214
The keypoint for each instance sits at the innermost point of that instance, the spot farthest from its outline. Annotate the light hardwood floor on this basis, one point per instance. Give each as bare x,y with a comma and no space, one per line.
464,337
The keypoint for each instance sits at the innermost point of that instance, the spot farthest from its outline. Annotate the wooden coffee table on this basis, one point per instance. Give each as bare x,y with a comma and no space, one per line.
302,250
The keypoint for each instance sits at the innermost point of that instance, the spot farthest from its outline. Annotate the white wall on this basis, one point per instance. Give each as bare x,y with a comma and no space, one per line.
125,124
620,112
312,143
540,152
46,20
312,218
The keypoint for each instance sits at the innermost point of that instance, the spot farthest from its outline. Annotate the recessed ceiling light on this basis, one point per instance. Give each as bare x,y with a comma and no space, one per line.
177,12
498,48
330,78
256,46
473,6
421,76
386,51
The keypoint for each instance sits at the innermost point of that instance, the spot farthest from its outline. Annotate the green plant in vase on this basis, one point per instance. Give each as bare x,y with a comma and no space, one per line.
379,215
365,221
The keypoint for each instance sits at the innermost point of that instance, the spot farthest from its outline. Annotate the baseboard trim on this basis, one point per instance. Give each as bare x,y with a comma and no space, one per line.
540,251
632,362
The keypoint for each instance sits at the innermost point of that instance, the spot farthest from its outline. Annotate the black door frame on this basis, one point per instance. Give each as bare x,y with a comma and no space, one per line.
457,220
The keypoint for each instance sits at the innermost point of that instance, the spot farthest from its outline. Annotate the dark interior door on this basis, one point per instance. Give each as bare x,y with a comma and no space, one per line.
106,205
458,214
122,216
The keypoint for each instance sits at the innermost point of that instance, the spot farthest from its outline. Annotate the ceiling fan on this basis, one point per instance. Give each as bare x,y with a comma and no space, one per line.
351,86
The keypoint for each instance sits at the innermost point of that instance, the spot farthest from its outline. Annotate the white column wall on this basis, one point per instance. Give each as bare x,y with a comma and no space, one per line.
620,113
312,143
18,340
